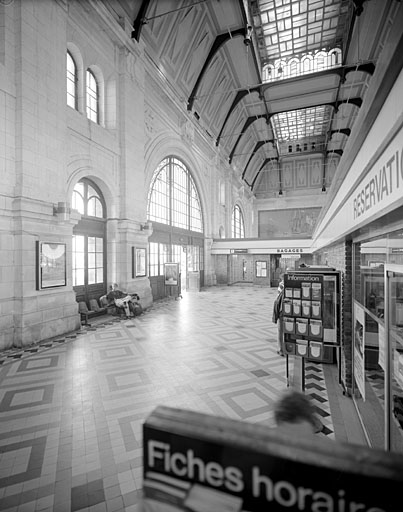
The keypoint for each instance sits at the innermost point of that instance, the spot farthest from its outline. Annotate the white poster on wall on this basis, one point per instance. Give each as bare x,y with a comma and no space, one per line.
359,348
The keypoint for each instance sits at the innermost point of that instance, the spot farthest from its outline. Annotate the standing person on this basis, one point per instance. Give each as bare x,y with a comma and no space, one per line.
278,317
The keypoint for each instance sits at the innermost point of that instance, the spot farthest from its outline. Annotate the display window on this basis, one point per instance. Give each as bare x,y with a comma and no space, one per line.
378,338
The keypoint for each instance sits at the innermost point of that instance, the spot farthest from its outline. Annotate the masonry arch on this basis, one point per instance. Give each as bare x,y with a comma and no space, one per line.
89,241
175,208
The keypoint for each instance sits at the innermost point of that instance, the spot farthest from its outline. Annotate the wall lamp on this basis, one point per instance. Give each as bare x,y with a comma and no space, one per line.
146,226
62,211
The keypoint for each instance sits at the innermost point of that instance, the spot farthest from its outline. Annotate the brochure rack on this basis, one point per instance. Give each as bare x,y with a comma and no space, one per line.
311,313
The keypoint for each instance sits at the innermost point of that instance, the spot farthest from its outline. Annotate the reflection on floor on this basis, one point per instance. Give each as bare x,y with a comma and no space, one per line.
72,409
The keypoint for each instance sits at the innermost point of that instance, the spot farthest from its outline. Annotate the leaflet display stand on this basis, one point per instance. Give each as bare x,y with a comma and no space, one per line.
311,315
172,280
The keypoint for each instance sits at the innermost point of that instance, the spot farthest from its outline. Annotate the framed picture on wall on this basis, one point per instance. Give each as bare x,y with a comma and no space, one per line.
50,265
261,269
140,262
171,273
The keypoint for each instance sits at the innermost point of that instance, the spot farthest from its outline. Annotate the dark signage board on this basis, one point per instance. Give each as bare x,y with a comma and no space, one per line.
198,462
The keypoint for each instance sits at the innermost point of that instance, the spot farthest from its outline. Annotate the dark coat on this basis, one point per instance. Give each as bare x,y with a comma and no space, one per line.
278,307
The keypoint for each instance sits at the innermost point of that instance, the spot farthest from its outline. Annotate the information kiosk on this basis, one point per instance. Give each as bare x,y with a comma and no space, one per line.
311,313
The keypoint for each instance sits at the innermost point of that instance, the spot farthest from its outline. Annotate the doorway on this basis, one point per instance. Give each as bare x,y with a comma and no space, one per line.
189,257
240,268
89,242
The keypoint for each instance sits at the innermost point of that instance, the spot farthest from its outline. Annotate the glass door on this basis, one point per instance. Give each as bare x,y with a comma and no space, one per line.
393,337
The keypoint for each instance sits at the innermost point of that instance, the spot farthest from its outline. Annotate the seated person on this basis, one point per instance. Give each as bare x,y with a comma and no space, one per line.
123,300
135,305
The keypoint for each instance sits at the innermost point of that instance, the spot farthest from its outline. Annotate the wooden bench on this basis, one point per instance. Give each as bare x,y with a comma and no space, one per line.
93,310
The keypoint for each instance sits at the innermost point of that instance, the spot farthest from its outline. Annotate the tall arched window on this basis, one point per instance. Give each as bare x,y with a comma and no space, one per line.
173,197
237,224
92,97
174,208
89,242
71,82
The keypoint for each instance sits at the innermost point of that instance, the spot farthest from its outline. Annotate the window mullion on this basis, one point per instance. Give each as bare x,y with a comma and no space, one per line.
189,200
170,192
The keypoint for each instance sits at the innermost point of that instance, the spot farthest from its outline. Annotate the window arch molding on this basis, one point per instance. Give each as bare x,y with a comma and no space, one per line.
237,222
83,168
164,145
75,54
173,196
95,204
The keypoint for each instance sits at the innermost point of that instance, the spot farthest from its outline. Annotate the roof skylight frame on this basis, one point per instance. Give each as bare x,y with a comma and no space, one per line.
285,29
302,124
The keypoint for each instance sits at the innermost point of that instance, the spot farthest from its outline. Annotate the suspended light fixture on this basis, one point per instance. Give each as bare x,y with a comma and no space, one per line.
248,36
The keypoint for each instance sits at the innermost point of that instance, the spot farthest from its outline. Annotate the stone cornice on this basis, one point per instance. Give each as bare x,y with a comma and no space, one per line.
114,29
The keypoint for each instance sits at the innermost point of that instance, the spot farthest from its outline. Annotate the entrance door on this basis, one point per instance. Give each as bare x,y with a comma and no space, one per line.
393,357
241,268
89,242
193,265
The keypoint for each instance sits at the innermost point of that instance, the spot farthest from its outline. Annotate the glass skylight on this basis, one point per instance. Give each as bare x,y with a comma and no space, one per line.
292,27
302,124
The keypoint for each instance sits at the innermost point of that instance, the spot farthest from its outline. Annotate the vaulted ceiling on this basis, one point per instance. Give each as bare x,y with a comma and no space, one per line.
271,82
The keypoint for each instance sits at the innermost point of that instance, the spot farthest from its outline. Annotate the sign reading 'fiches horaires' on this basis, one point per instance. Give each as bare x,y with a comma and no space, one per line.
200,463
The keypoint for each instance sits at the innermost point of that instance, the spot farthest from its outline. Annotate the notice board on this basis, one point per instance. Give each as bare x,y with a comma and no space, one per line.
203,463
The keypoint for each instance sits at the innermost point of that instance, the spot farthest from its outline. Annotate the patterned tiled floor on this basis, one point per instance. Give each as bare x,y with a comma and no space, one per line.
72,408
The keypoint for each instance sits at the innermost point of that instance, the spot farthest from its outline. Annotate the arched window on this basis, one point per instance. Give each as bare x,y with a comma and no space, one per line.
237,224
71,82
87,200
281,69
92,97
89,242
173,197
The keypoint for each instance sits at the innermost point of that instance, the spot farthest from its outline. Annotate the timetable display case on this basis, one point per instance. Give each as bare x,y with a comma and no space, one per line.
311,313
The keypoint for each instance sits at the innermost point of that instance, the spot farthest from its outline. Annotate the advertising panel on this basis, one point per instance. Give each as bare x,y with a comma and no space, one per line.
202,463
359,352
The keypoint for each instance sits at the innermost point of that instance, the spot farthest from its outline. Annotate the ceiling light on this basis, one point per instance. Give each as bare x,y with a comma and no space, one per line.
248,36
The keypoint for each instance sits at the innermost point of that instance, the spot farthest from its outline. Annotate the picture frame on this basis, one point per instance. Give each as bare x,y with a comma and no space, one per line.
140,262
261,268
171,274
50,265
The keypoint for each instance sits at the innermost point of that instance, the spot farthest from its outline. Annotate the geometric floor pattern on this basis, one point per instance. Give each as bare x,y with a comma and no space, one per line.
72,408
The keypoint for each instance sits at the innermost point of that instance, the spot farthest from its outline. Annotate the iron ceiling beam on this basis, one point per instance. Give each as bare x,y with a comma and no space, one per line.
219,41
367,67
267,160
248,122
258,145
139,21
355,101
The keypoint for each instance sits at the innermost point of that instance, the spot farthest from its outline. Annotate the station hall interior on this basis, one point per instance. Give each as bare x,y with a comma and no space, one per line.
196,153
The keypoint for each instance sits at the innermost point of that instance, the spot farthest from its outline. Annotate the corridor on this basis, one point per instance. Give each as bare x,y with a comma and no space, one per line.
72,409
